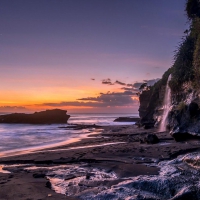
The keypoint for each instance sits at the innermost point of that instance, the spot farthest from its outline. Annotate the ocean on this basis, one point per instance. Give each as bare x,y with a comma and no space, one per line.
16,138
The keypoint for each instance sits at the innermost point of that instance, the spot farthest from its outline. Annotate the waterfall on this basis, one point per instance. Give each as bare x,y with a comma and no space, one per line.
166,106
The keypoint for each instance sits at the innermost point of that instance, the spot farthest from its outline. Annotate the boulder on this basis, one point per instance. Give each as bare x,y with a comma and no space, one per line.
37,175
183,136
48,184
193,109
148,125
152,139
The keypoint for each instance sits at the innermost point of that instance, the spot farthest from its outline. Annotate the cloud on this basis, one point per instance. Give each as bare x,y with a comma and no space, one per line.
103,100
130,86
107,81
137,85
119,82
110,99
151,82
130,89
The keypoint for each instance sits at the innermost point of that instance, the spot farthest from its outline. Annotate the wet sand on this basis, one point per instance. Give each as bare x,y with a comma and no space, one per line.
116,149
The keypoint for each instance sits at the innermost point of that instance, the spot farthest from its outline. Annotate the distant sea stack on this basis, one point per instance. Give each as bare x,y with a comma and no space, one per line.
127,119
55,116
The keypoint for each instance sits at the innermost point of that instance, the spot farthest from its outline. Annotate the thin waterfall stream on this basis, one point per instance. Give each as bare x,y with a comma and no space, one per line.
166,106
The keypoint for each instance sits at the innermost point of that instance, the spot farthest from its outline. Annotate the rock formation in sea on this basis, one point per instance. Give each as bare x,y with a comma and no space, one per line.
127,119
55,116
184,115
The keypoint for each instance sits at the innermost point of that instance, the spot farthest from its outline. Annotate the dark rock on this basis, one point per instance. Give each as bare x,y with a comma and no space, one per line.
185,124
88,175
183,136
55,116
69,177
193,109
151,139
188,193
127,119
148,125
48,184
148,103
141,141
39,175
144,99
81,126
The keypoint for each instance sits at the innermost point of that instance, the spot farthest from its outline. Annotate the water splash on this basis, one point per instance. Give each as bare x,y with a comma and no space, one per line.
166,106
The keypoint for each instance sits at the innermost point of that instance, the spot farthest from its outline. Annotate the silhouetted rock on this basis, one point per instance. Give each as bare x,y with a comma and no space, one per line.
151,139
193,109
80,126
127,119
148,103
48,184
36,175
183,136
148,125
55,116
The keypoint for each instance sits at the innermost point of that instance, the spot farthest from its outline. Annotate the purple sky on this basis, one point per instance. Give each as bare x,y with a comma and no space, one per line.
51,49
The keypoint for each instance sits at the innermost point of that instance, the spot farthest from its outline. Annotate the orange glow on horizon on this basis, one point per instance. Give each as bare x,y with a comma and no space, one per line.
37,98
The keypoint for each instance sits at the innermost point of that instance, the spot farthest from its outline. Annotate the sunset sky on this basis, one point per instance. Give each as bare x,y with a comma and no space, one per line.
84,55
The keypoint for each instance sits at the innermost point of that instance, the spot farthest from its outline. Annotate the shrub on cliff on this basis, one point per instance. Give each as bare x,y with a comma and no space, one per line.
183,65
193,8
186,67
196,56
187,59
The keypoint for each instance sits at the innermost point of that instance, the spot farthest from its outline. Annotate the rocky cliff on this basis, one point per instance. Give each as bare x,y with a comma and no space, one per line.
151,101
184,115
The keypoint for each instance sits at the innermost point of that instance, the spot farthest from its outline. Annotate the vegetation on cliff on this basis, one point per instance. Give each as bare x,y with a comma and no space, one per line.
186,67
187,58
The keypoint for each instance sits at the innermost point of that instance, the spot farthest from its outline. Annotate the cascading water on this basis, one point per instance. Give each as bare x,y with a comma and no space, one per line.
166,106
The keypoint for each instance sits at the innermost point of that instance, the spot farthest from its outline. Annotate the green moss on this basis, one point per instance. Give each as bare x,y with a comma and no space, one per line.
181,106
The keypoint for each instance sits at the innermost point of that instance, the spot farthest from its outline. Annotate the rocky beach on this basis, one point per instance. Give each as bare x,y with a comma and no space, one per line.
117,163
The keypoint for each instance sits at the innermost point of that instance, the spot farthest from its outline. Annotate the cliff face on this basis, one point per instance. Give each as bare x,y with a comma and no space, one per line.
184,115
148,104
151,102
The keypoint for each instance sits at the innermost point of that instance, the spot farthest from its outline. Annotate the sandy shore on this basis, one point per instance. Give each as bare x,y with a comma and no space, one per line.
115,149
